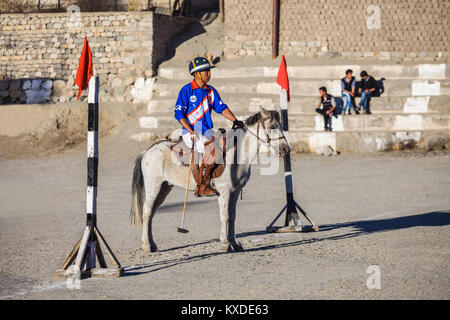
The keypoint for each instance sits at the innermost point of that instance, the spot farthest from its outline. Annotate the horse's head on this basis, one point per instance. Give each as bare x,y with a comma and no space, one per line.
269,130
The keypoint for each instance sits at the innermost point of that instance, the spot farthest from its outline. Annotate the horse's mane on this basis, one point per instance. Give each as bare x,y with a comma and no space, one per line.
251,120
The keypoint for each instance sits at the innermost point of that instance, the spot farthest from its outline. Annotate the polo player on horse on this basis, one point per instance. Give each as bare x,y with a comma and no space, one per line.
193,110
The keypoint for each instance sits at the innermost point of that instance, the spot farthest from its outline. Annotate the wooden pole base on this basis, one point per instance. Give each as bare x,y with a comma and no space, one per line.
82,261
292,228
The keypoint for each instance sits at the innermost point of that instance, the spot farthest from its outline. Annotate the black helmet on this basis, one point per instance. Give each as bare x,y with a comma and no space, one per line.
199,64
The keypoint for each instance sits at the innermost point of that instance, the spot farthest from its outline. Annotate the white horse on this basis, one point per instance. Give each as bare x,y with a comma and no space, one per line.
157,171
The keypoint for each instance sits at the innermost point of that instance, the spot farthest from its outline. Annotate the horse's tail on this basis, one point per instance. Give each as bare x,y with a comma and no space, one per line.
137,193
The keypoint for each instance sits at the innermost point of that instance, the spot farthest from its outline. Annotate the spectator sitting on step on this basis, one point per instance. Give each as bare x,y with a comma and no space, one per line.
348,85
328,105
366,90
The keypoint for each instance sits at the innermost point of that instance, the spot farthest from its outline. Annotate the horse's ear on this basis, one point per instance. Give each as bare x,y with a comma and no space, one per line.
264,112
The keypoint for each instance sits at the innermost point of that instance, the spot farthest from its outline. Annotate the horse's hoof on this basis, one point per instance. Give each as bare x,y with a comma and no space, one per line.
146,249
237,247
154,248
226,248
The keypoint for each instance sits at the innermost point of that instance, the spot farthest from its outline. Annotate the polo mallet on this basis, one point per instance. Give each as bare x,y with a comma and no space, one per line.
181,229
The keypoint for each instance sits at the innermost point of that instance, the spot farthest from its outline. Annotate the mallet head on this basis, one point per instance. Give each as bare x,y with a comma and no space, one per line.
182,230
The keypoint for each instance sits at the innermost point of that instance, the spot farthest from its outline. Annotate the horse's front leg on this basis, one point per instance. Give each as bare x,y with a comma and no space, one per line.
231,220
224,200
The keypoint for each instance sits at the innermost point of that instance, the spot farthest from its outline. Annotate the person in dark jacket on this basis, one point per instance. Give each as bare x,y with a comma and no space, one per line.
348,86
366,90
328,105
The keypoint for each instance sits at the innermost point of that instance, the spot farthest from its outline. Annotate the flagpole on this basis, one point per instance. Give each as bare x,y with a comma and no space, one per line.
292,221
81,262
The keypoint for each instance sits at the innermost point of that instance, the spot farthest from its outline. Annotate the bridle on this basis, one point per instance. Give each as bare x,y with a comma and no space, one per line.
268,139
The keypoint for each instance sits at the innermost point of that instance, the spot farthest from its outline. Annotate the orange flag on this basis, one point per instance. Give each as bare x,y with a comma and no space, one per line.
85,69
282,78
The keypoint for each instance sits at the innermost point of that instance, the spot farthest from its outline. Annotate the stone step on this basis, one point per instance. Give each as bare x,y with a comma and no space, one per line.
307,87
361,142
388,71
343,141
152,134
248,103
314,122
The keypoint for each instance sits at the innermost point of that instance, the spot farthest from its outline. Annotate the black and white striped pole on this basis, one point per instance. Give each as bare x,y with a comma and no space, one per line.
292,221
81,262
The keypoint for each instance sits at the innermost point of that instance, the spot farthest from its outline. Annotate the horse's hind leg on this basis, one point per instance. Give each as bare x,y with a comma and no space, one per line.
153,199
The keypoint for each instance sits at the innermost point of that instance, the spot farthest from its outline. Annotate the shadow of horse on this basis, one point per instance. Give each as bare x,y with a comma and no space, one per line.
358,228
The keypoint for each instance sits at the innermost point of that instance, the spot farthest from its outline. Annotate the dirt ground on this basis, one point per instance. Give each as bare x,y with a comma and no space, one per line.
390,210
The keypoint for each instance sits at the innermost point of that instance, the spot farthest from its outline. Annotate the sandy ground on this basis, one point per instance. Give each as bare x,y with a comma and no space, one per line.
390,210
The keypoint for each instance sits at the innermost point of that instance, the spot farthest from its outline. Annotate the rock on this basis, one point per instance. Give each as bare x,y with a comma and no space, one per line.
58,87
142,90
118,91
37,96
329,151
26,85
435,143
67,95
139,83
22,97
4,93
47,84
36,84
385,143
149,73
4,85
116,83
14,93
129,81
15,85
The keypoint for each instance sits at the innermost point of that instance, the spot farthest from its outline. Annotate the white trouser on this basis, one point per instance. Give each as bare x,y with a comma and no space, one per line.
199,143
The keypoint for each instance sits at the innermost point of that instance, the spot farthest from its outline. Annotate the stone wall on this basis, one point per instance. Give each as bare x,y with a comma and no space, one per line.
406,29
125,46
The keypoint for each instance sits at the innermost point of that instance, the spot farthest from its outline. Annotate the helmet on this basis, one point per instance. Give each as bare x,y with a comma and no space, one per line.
199,64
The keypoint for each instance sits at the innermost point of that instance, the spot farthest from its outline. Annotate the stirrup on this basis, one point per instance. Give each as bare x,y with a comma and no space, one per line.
204,190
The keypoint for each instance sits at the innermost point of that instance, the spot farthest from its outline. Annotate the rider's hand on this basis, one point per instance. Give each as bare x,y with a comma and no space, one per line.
238,124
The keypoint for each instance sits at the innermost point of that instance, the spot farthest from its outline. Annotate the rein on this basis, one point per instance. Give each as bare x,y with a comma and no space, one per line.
261,122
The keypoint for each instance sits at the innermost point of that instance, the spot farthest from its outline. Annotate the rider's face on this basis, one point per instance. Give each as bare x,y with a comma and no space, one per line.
206,75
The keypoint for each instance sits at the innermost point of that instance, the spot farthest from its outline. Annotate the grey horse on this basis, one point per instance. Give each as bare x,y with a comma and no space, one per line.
157,171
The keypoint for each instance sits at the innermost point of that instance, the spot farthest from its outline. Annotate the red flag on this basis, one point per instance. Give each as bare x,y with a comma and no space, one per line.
85,70
282,78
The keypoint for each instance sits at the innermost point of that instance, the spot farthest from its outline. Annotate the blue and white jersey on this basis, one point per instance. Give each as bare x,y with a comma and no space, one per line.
195,105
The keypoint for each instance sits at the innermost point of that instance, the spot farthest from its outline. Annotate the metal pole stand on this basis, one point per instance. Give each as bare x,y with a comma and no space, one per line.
292,221
81,262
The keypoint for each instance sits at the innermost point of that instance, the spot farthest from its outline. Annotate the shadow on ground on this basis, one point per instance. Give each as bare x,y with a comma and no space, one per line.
358,228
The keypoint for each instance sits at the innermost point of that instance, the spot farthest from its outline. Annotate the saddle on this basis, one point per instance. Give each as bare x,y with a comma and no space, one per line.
182,152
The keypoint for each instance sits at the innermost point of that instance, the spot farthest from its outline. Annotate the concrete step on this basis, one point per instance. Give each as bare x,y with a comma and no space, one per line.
361,142
248,103
152,134
306,87
341,141
314,122
388,71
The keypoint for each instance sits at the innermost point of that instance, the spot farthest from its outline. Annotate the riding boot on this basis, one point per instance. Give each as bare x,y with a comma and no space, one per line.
203,188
